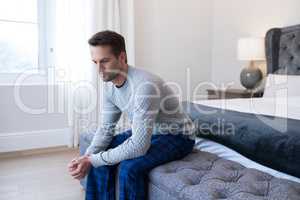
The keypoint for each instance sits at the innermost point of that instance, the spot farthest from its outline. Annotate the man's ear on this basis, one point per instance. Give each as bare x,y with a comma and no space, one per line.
123,57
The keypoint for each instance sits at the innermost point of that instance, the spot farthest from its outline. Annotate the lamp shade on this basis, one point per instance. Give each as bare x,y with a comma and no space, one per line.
251,49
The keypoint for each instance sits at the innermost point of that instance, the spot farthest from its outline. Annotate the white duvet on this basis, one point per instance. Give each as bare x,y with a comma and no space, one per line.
280,106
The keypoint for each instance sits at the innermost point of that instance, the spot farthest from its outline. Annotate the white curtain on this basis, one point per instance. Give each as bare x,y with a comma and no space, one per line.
76,22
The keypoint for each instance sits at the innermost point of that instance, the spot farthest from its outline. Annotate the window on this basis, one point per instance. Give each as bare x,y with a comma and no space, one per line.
25,36
18,35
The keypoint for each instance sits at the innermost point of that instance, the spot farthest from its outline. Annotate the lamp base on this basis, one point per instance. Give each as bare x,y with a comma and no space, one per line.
251,77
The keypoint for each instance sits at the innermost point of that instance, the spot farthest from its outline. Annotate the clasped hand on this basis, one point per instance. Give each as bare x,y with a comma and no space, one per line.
79,167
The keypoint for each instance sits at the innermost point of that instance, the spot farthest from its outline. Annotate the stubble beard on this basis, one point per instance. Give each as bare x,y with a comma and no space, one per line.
109,76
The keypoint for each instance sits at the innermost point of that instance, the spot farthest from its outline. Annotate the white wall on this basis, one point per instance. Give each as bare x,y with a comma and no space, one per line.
21,129
15,115
233,19
173,36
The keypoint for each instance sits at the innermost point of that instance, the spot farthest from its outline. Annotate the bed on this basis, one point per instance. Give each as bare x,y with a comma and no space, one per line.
260,158
257,160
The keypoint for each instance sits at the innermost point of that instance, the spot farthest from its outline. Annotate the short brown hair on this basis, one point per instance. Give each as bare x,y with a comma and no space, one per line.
109,38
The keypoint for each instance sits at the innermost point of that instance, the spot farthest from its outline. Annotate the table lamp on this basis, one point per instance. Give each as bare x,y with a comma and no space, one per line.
251,49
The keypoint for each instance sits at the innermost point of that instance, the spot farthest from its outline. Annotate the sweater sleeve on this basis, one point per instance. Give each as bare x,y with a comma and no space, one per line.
146,108
105,132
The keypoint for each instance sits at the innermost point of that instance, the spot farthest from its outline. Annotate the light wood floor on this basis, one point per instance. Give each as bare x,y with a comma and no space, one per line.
38,176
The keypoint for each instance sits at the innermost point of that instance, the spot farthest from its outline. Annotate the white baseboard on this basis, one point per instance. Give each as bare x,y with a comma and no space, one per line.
34,139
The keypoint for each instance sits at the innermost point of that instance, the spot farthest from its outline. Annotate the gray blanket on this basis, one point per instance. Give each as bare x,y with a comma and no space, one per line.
268,140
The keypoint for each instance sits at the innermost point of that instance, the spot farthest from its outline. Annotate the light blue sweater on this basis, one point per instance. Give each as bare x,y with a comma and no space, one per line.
152,108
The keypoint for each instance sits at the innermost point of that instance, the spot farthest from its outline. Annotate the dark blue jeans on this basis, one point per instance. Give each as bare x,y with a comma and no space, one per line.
133,177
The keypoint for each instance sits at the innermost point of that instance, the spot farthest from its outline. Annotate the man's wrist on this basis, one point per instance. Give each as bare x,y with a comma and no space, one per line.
89,158
96,160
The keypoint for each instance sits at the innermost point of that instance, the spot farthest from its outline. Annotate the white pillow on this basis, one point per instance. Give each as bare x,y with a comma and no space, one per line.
282,86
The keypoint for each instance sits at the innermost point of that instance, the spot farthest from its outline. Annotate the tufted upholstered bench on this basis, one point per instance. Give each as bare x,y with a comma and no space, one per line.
205,176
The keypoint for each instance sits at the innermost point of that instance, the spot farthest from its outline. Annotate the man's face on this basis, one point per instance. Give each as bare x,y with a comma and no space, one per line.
108,65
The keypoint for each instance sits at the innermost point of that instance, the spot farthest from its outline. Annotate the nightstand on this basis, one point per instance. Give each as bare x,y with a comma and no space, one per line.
231,93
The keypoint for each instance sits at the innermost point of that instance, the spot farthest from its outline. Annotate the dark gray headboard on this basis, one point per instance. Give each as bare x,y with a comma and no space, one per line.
283,50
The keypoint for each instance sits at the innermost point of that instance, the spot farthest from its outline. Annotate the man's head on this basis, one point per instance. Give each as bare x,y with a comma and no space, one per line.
108,53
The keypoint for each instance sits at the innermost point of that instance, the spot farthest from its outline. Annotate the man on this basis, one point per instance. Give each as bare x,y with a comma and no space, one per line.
160,131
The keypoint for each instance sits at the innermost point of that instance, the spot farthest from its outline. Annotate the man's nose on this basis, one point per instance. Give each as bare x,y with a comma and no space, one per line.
101,67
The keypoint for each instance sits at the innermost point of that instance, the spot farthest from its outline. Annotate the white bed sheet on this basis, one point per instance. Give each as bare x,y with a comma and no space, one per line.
281,107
